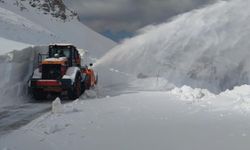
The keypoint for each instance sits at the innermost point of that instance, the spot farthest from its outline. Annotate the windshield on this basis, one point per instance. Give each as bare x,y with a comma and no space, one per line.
60,51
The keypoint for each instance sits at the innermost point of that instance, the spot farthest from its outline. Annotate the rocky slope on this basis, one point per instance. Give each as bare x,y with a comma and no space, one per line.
56,8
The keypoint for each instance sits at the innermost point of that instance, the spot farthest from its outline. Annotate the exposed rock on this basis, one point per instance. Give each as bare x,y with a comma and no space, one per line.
56,8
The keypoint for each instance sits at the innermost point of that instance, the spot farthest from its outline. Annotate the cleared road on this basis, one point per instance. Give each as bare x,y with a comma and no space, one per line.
13,117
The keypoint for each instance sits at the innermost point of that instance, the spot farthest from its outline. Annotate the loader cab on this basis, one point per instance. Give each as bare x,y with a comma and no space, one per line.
68,51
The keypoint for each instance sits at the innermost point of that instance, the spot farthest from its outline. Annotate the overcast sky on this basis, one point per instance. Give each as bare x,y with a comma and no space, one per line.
121,18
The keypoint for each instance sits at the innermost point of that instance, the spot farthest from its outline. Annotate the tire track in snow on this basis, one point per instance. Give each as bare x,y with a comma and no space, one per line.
14,117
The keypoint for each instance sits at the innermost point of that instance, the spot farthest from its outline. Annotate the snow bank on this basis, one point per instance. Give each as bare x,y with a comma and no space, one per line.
205,48
16,68
9,45
187,93
237,99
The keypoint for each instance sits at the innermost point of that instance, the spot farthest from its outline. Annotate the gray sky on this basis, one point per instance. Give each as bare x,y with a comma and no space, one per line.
130,15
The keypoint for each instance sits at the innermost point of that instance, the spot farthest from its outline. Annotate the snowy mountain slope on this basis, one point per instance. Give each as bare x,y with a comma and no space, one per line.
43,22
19,28
205,48
55,8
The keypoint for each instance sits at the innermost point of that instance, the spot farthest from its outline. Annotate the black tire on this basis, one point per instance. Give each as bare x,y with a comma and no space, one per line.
75,91
87,83
96,79
83,87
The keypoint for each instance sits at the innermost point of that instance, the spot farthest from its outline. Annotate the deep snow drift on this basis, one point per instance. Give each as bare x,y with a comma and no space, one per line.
205,48
16,68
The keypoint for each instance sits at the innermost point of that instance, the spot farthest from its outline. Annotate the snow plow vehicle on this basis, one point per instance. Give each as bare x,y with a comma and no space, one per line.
60,74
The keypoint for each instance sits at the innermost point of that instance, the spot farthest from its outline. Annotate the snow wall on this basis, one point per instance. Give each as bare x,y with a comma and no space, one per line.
205,48
16,68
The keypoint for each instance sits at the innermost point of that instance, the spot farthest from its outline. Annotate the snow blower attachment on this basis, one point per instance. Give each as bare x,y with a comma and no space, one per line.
60,74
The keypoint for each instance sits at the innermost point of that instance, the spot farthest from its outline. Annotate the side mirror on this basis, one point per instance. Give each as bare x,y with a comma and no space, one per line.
90,64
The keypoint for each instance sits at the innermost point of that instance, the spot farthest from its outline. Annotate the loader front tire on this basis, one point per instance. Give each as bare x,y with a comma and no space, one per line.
75,91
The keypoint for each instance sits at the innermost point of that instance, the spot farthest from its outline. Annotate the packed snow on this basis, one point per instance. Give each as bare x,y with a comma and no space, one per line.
143,120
